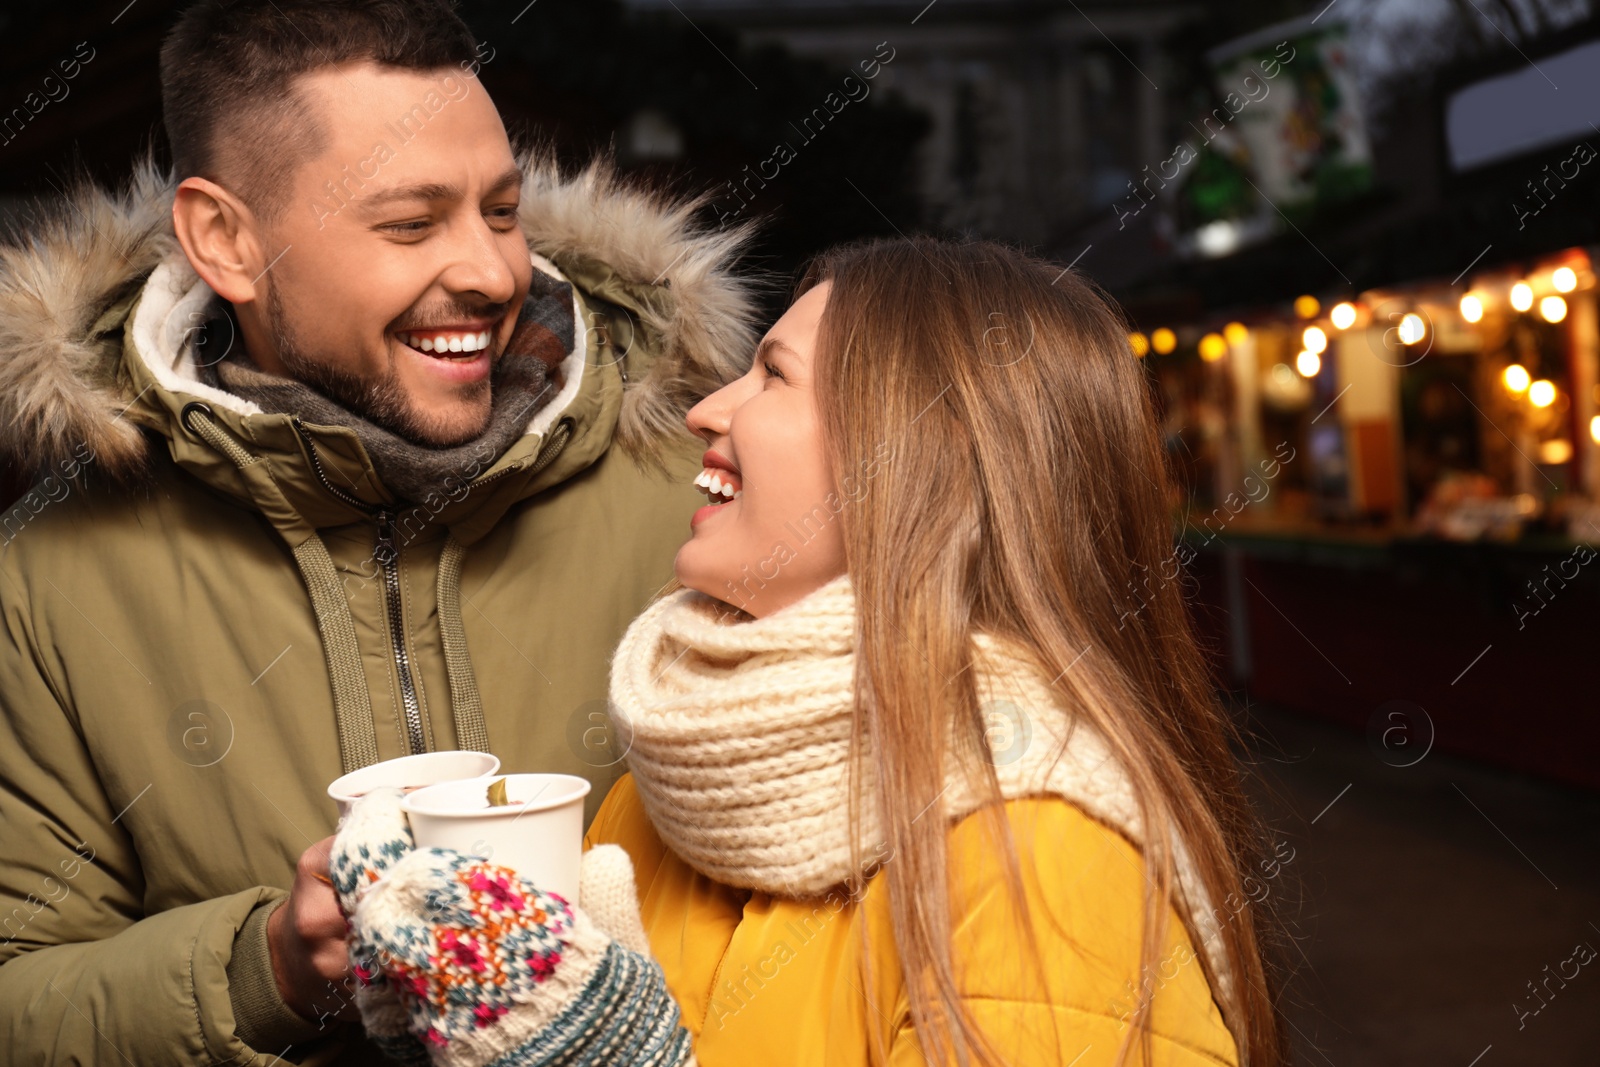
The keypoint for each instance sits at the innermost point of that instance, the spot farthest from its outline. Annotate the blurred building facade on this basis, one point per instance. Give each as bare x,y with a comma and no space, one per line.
1042,114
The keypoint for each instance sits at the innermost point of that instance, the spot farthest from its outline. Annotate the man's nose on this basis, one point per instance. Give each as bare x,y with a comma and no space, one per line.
480,266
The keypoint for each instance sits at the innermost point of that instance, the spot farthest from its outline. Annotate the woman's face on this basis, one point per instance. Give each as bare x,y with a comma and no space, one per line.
777,537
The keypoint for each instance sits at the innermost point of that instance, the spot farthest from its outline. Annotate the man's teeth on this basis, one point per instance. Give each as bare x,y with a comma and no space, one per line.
712,482
447,342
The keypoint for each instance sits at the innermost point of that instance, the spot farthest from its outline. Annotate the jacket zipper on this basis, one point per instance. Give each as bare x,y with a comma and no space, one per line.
322,475
387,555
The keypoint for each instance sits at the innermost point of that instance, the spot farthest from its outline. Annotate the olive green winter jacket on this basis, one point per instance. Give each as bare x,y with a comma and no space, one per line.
207,613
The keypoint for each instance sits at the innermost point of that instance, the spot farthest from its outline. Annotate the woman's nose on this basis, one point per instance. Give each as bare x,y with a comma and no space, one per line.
712,417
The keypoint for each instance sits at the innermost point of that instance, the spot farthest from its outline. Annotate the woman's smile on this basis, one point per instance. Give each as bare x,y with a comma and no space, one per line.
719,480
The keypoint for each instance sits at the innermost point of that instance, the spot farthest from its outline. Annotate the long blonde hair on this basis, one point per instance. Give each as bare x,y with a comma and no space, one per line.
1026,496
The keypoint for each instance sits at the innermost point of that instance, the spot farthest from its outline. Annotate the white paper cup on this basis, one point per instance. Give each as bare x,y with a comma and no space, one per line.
410,772
539,834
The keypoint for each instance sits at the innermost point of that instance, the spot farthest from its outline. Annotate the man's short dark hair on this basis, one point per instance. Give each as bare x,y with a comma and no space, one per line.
228,69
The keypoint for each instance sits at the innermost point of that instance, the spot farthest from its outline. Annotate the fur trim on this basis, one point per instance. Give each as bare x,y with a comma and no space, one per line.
68,263
649,240
58,381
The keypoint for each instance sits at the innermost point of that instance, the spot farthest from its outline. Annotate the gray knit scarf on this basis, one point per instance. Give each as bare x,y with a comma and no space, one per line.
523,380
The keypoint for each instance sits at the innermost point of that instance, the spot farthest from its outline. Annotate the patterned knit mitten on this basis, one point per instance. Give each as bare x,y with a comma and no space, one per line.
371,839
486,967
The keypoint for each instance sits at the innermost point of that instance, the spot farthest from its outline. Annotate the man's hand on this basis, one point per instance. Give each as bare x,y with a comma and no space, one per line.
310,953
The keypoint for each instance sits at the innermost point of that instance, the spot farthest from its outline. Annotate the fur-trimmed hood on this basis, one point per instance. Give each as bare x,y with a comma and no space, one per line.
63,392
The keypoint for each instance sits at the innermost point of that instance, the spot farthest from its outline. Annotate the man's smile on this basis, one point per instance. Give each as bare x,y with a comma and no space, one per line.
446,340
461,352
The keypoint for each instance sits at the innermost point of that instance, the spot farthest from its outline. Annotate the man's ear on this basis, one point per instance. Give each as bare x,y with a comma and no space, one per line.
219,235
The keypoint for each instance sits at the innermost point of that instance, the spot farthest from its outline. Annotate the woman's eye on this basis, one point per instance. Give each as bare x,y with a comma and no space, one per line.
506,215
773,372
415,226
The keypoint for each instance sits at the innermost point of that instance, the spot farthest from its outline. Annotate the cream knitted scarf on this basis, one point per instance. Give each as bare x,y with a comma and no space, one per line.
738,737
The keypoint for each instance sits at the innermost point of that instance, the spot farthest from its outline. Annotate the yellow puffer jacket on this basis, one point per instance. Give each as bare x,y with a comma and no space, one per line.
776,982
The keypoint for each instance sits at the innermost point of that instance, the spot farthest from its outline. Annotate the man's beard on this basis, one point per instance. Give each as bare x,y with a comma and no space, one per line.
381,401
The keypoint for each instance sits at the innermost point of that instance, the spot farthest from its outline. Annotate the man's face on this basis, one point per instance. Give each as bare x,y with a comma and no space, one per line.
400,266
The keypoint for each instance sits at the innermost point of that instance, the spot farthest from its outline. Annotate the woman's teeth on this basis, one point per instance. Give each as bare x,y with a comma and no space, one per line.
719,483
451,341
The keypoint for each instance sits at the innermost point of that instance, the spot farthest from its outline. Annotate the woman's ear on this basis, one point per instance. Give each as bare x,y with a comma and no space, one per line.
219,235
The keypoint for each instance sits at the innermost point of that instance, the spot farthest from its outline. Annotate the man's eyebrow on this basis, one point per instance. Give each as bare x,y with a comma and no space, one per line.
512,178
434,191
414,191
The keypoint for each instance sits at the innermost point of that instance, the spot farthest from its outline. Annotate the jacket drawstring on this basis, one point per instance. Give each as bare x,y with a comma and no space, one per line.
466,706
358,738
352,704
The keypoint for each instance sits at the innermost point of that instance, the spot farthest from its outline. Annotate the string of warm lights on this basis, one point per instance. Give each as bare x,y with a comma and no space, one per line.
1547,292
1411,329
